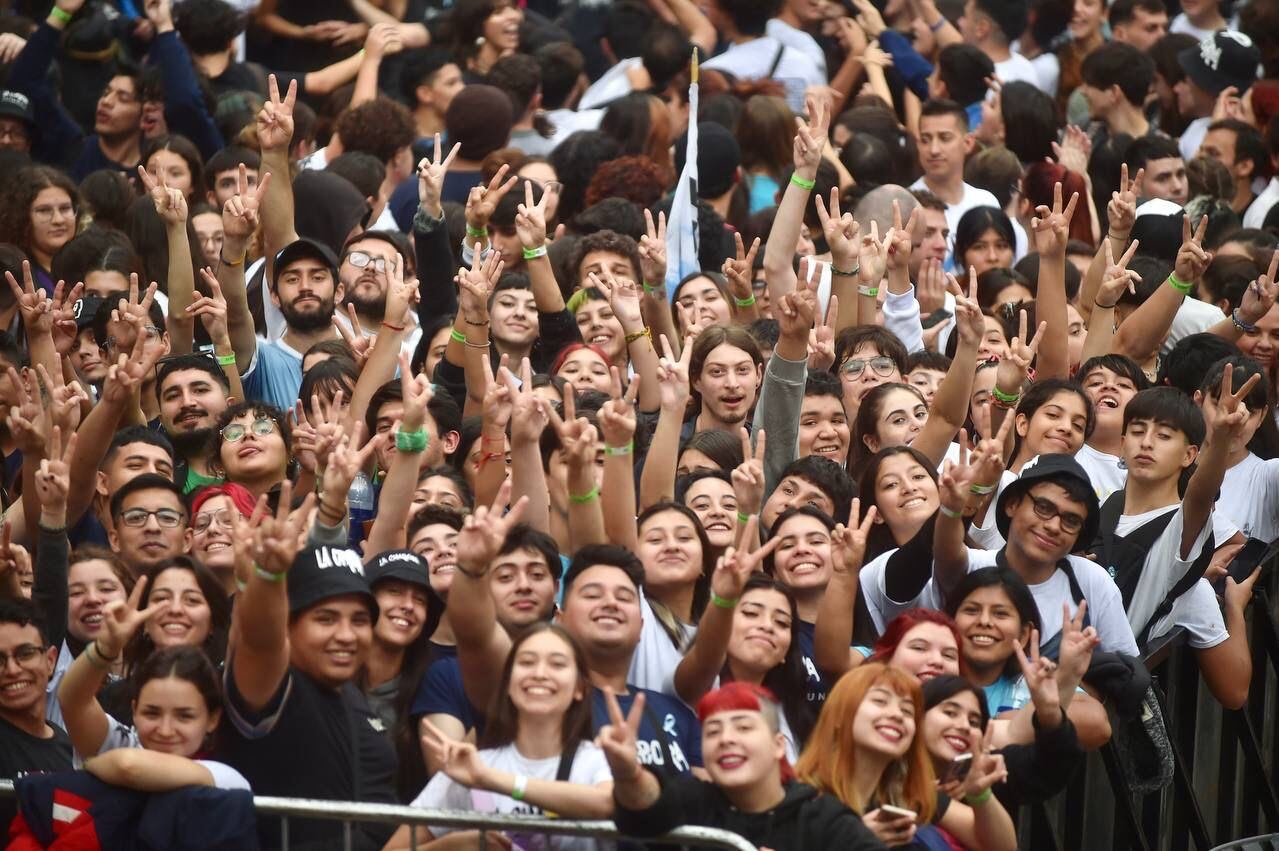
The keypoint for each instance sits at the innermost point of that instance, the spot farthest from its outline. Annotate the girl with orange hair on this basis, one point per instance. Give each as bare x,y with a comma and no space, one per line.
865,751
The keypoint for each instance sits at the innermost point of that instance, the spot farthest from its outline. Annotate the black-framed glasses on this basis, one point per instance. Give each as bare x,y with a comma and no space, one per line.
1046,509
26,656
235,432
361,260
168,518
881,365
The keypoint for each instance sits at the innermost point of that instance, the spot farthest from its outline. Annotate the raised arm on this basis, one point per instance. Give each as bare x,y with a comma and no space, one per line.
779,253
623,296
981,821
950,406
1122,213
530,416
1142,332
617,427
240,218
843,237
634,787
1117,278
657,479
833,632
275,134
382,40
265,547
578,444
1257,300
184,103
1051,228
171,207
1225,420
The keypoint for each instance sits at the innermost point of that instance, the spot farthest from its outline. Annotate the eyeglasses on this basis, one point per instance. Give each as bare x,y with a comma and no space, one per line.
26,656
204,521
14,134
1046,509
235,432
882,365
46,214
153,334
136,518
361,259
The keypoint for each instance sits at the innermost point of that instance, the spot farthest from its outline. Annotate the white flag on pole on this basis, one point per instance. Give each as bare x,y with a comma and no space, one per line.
681,228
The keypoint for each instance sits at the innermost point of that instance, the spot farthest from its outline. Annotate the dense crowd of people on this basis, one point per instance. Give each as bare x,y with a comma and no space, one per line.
370,435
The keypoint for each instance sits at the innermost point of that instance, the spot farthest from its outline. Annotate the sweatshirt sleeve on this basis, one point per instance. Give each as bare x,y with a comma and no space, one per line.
50,590
1040,770
911,566
914,69
666,814
901,316
780,399
56,133
435,268
184,107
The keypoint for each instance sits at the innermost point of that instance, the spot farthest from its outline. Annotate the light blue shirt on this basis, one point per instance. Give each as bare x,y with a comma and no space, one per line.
275,375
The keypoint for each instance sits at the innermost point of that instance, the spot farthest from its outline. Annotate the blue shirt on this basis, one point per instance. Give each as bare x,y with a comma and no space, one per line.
817,685
673,749
442,693
274,376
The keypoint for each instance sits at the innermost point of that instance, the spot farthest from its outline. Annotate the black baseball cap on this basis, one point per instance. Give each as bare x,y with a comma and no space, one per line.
304,248
1225,58
16,105
85,308
1048,468
322,573
718,158
407,566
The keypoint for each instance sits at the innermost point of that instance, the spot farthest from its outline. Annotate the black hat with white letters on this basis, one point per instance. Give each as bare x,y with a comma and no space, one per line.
322,573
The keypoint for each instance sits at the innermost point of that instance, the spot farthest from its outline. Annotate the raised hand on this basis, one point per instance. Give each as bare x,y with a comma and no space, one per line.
810,136
1226,419
483,200
431,172
1228,105
739,271
872,261
1076,647
841,231
652,250
275,119
485,530
476,284
26,421
530,219
748,477
212,310
170,204
796,311
821,340
1122,208
1051,226
1040,674
1192,257
360,345
672,377
848,541
736,565
35,307
1074,151
344,463
988,767
623,296
16,571
122,619
529,412
401,295
617,415
970,321
240,212
1117,277
132,316
64,328
619,737
53,479
381,40
273,541
897,241
1259,297
1012,370
930,289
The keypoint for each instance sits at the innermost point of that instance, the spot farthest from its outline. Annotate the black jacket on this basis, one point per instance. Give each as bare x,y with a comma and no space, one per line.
805,820
1038,771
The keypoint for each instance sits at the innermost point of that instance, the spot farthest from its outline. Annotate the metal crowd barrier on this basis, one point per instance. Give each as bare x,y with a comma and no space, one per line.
349,813
1226,762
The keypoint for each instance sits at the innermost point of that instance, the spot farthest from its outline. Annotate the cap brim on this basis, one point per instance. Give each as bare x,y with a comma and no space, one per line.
1203,76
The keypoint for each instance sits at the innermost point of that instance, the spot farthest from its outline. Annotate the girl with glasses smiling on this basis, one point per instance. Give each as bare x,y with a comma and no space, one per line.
252,447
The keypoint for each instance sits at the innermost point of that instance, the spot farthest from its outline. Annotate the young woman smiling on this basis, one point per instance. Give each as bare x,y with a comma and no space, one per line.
537,755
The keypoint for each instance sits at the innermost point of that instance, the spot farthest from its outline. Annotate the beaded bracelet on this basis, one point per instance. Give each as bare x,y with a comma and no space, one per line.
803,183
1178,284
1240,324
845,273
586,497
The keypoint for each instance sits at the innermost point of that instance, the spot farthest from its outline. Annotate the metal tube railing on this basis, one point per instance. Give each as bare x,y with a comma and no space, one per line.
351,812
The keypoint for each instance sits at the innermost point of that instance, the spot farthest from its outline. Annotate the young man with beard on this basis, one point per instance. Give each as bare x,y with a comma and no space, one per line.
193,392
149,523
523,583
602,609
366,257
28,743
725,372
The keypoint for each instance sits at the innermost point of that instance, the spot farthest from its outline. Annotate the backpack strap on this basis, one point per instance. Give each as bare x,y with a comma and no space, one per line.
1125,556
777,61
1184,584
566,760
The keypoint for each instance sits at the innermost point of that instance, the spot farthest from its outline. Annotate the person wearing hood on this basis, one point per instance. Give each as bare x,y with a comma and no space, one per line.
753,790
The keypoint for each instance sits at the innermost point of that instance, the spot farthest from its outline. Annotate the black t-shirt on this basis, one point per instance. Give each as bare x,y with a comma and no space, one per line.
22,754
311,742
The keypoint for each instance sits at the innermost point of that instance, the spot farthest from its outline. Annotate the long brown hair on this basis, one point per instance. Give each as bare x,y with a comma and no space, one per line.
827,761
766,131
503,723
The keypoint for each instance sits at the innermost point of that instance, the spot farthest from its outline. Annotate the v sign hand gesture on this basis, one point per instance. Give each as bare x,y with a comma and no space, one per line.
619,737
170,204
431,172
123,619
1122,209
275,120
1117,277
841,231
1013,370
240,213
736,565
1192,258
1052,226
810,137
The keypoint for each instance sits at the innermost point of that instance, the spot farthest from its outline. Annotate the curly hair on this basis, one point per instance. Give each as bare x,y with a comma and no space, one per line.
605,240
635,178
380,127
15,211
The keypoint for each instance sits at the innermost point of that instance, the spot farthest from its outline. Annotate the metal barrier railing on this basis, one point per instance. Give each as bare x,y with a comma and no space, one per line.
349,813
1226,763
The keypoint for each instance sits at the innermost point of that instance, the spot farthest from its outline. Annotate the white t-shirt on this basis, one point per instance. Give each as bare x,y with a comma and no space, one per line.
1048,66
1181,24
656,658
1255,215
1198,612
1193,317
753,59
1017,68
613,84
798,39
1105,605
973,197
1193,137
120,736
1250,497
1106,472
589,768
1164,567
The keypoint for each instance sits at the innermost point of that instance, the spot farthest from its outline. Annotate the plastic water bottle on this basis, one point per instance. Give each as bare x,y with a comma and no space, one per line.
360,501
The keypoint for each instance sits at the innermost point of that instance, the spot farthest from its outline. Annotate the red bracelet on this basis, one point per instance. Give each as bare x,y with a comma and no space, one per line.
485,458
392,327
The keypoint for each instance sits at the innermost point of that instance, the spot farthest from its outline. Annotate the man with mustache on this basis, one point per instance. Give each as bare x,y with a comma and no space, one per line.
193,391
366,259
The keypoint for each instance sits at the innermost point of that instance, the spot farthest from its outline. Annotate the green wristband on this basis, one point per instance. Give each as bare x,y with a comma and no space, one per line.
743,517
1179,285
268,575
620,450
457,335
1006,398
411,441
478,233
744,302
534,253
978,800
226,360
586,497
61,14
802,183
649,288
722,602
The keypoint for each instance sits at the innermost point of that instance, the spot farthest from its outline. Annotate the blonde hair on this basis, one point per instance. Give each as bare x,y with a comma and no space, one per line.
827,761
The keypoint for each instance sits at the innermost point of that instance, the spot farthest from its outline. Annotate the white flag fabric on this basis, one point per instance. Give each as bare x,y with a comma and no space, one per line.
681,225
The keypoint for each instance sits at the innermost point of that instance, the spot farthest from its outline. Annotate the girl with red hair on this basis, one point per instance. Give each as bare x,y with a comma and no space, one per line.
752,789
1037,186
211,518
